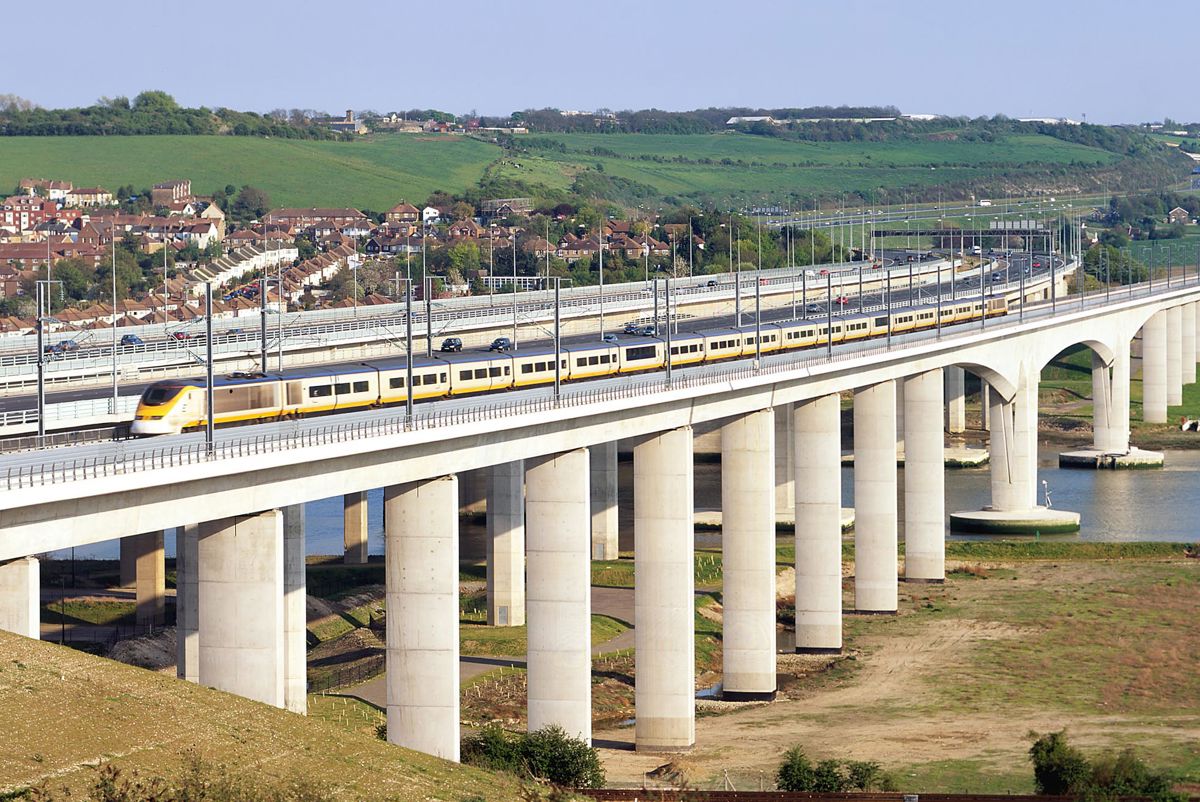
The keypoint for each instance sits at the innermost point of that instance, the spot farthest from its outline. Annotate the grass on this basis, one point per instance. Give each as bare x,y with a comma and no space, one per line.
63,711
378,171
480,640
734,165
375,173
103,613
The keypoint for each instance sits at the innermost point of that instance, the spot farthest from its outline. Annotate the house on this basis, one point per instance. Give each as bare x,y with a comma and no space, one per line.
23,212
90,196
357,229
466,229
183,208
430,215
538,246
572,248
54,190
345,125
169,192
1178,215
403,213
304,218
505,207
213,212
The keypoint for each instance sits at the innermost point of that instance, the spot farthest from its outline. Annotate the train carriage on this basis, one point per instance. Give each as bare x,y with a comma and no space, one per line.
687,349
592,361
477,373
533,366
644,353
431,379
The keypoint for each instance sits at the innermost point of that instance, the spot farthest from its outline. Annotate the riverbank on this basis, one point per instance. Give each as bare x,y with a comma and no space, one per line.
1029,636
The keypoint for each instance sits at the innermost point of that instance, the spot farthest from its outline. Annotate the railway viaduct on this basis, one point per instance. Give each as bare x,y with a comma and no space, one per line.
550,468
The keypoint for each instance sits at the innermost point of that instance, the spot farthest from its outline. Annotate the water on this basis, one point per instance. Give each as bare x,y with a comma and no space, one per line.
1115,506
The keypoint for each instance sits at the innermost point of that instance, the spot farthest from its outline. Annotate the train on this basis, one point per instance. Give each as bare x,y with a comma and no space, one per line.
172,406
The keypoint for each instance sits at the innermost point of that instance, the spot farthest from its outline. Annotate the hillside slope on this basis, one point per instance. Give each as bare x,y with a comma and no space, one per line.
62,711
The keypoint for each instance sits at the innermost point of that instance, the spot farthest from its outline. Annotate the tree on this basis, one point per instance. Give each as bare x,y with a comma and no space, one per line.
795,773
154,100
251,202
463,256
1057,767
462,210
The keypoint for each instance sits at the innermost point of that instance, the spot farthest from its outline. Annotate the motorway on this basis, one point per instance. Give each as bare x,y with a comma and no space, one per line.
965,287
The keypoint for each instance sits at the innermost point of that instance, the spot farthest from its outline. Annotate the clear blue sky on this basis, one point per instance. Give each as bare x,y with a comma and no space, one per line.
1114,61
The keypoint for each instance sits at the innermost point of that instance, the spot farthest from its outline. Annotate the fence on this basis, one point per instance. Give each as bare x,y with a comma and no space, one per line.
296,435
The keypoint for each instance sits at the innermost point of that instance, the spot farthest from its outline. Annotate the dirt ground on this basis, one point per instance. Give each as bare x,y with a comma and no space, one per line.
916,692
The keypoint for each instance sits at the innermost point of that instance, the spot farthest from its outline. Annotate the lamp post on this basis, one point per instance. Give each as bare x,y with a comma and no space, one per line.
514,290
408,360
209,392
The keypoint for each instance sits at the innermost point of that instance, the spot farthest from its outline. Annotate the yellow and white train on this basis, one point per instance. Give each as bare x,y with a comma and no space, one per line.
176,405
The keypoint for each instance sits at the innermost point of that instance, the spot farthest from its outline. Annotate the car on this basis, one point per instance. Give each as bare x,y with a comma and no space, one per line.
180,335
1037,264
632,326
452,345
501,344
609,338
814,309
841,300
997,277
649,330
824,271
712,282
67,346
130,339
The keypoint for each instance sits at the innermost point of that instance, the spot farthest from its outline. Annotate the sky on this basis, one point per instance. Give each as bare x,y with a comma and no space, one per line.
1110,60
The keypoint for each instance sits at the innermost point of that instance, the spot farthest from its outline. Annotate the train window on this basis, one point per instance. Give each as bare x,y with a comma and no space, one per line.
481,373
564,364
593,360
640,352
674,350
443,378
581,361
396,382
360,387
320,391
493,372
881,321
506,370
342,388
527,368
604,359
464,375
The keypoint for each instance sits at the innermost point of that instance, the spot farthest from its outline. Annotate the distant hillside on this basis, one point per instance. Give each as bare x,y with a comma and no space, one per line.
62,711
723,169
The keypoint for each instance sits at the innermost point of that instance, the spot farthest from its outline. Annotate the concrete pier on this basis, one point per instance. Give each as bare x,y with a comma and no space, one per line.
150,578
1154,369
128,561
875,573
506,545
1110,421
817,448
1187,326
187,603
900,421
20,597
664,611
472,491
956,400
985,406
558,532
924,479
295,621
1174,356
355,528
748,462
605,519
240,597
1014,508
421,551
785,461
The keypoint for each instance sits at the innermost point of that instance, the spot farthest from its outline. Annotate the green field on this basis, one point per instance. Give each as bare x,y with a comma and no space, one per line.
374,174
743,167
379,171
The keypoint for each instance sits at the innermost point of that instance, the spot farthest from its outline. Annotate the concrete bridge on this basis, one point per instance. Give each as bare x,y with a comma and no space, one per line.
548,470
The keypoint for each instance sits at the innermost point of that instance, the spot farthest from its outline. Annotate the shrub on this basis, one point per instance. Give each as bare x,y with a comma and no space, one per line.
548,754
864,775
795,772
1057,767
828,777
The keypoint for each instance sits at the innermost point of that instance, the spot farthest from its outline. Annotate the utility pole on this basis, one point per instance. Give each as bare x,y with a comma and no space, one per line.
408,361
209,392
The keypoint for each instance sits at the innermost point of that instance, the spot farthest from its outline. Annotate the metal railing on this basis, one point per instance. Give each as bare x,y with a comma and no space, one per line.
124,460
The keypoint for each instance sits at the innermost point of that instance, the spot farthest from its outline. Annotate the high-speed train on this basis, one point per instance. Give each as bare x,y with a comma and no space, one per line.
176,405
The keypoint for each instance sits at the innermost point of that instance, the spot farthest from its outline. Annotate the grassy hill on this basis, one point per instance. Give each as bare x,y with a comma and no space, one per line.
374,174
637,169
62,711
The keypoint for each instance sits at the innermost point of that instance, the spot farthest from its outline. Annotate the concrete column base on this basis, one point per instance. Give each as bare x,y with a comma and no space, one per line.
818,650
1038,520
295,621
748,696
605,519
187,604
20,597
150,579
1098,459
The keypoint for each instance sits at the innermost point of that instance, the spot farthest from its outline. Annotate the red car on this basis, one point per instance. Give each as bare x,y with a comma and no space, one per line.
842,299
180,335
